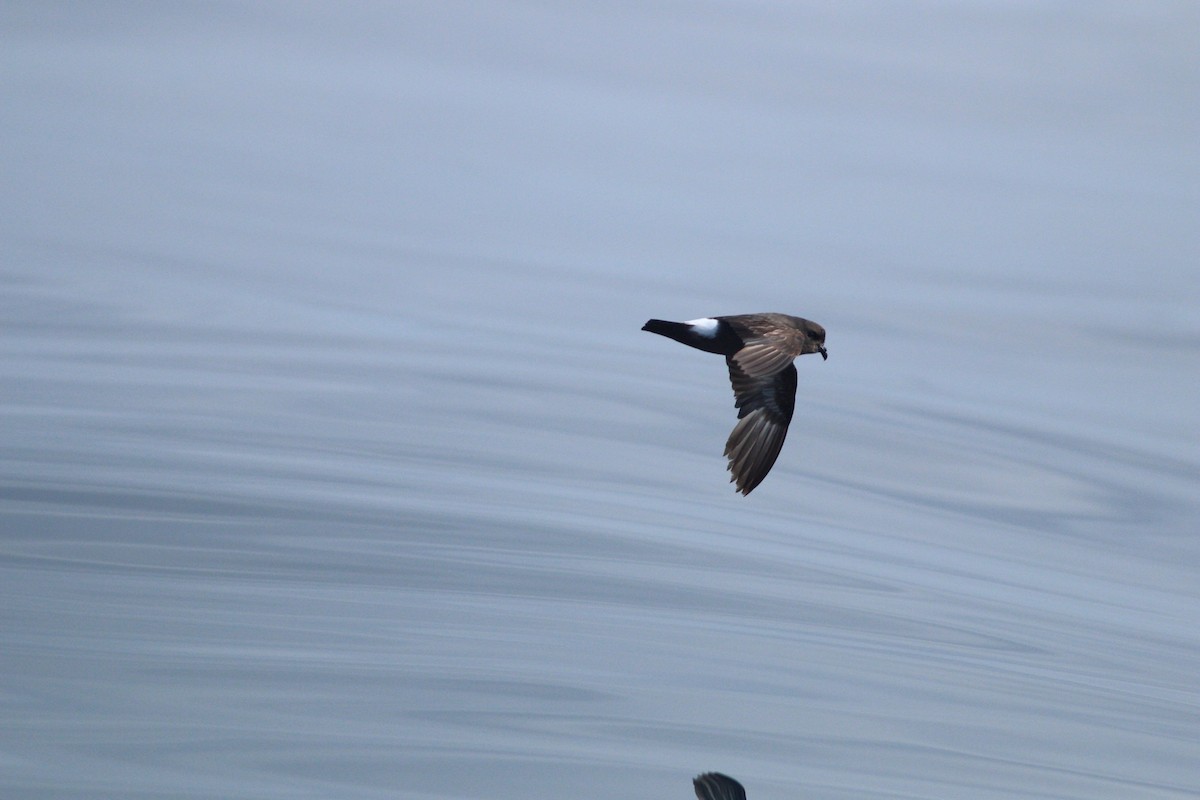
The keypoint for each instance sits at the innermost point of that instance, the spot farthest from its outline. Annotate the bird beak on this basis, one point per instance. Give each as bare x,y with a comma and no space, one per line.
824,355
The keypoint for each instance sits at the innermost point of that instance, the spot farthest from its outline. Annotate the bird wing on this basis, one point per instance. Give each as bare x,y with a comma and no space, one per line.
768,345
763,358
715,786
765,405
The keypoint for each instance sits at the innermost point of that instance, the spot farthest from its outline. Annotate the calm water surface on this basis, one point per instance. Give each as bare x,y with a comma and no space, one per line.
334,463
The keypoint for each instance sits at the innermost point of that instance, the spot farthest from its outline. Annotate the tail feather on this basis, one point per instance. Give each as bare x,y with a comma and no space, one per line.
672,330
720,340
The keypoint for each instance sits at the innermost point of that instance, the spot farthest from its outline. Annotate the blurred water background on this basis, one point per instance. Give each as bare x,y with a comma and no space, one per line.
333,463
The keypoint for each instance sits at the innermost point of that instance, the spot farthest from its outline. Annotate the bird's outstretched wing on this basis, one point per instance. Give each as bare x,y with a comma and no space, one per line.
765,404
715,786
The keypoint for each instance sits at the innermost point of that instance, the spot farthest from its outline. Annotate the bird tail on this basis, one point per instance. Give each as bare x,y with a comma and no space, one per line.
712,340
672,330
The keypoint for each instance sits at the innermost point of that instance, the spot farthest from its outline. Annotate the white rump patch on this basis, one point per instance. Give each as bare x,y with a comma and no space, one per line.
705,326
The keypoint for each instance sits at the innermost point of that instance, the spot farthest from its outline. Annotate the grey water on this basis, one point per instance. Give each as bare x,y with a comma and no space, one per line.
334,464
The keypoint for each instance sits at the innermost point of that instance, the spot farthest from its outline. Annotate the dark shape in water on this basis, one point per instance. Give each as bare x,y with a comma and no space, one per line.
759,349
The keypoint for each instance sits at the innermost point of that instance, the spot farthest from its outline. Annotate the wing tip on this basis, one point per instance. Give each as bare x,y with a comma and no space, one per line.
744,487
716,786
752,449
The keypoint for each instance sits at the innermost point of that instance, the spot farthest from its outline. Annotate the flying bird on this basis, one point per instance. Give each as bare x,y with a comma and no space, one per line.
759,350
715,786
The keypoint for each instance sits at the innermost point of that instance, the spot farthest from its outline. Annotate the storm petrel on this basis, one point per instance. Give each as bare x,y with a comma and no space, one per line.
715,786
759,349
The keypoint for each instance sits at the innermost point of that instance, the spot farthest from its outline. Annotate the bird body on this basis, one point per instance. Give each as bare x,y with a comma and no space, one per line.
759,350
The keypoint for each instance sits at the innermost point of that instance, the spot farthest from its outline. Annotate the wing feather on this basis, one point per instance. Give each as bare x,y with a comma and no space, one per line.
762,359
765,406
715,786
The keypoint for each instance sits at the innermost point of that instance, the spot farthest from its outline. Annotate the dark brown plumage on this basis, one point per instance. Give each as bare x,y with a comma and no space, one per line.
759,350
